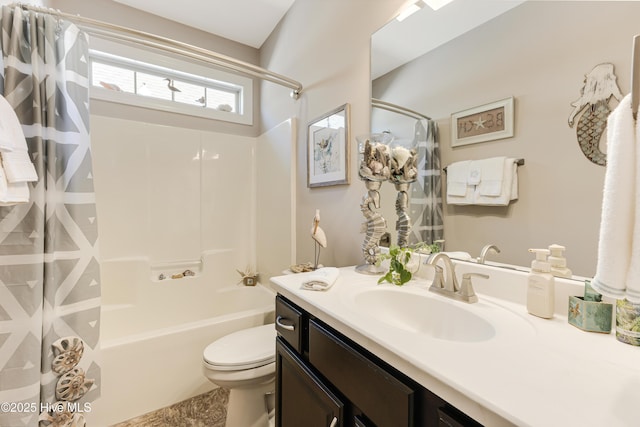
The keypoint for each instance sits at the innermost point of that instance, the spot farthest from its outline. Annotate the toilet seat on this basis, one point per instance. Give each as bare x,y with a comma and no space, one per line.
246,349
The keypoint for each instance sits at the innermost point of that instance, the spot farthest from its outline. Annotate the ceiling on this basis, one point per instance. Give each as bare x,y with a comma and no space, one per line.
246,21
400,42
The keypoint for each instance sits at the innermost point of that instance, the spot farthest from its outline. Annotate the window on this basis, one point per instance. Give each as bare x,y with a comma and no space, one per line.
164,83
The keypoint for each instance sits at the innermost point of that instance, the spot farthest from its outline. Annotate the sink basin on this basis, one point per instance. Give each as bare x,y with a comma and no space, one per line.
420,313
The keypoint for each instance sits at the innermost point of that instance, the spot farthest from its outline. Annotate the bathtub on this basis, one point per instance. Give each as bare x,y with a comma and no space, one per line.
153,334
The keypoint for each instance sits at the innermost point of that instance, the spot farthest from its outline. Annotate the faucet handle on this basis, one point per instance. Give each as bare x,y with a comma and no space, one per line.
438,278
466,288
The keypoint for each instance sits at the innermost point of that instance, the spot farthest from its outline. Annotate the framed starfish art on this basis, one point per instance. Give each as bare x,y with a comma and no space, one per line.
484,123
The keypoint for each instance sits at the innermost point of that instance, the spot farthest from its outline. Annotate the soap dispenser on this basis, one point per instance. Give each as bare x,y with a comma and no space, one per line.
558,262
540,286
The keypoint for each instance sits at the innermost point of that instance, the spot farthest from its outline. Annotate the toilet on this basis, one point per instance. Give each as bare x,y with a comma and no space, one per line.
244,363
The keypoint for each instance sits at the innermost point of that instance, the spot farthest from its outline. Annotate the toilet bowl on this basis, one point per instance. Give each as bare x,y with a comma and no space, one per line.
244,363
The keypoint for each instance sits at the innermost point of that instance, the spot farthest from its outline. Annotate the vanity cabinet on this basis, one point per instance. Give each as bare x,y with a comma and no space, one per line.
324,379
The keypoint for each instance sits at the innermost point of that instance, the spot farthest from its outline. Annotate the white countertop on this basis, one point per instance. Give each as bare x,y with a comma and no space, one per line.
535,372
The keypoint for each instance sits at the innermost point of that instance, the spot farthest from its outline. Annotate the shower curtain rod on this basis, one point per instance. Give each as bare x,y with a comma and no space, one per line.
118,32
378,103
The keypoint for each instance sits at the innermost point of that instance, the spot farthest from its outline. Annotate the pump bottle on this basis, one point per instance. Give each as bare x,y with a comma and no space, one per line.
540,286
558,262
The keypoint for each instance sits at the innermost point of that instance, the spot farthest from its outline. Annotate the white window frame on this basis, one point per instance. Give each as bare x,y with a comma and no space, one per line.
125,56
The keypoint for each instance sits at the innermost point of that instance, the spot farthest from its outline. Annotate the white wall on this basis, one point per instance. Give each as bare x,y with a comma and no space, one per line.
325,45
275,203
538,53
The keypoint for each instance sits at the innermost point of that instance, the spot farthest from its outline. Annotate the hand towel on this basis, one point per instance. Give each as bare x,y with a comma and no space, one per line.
508,186
11,136
12,193
617,231
321,279
493,176
18,167
458,190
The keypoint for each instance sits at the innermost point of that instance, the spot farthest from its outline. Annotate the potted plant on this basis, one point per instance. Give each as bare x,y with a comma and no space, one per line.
401,269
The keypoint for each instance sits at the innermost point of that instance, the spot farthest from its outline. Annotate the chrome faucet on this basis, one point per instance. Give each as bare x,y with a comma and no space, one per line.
449,286
485,251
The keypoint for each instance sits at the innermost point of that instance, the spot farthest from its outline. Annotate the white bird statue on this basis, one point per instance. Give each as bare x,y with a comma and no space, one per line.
317,233
320,238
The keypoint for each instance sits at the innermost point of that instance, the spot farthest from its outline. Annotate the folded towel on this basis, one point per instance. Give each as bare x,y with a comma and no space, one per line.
619,231
321,279
12,193
18,167
493,176
11,136
458,190
508,186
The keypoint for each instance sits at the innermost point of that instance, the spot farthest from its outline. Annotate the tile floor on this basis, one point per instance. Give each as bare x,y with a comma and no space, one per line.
205,410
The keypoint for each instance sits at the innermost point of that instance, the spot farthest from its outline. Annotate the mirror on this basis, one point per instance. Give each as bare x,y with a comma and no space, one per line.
538,53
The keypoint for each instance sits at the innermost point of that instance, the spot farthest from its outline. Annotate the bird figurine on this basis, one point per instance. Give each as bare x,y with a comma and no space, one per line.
317,233
201,100
320,238
171,86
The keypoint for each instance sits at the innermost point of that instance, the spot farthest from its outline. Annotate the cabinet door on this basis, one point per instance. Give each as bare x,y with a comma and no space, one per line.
386,400
301,397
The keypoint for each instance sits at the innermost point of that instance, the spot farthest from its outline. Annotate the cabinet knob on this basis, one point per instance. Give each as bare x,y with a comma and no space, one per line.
334,422
283,326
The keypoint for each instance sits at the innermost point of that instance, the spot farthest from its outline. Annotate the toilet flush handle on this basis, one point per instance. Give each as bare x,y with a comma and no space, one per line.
283,326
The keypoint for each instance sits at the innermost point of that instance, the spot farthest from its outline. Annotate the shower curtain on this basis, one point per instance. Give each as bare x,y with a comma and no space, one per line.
49,275
426,192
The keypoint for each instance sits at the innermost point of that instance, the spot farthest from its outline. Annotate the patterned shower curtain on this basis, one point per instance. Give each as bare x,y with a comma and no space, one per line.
49,275
426,192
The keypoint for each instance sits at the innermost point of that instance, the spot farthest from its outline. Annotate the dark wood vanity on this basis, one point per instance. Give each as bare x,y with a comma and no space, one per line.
324,379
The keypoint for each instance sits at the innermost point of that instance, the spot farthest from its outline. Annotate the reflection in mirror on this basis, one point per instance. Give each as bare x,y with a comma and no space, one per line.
538,53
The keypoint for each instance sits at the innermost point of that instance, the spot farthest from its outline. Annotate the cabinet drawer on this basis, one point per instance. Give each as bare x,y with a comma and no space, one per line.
289,323
385,400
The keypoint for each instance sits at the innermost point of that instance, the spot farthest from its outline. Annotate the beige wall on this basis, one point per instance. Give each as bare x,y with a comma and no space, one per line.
538,53
325,45
116,13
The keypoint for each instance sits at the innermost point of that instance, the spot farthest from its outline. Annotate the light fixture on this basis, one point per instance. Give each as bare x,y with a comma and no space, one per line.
437,4
410,9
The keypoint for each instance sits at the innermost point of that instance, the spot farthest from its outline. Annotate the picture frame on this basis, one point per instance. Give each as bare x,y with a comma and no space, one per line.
487,122
328,148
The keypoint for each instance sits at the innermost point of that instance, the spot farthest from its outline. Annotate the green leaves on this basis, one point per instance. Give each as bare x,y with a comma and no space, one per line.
398,273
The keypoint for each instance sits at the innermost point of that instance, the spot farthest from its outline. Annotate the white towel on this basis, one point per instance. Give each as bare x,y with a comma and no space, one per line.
508,185
493,176
18,167
458,190
321,279
11,136
616,270
12,193
13,146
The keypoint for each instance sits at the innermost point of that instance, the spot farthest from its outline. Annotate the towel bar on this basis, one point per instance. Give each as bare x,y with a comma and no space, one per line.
518,162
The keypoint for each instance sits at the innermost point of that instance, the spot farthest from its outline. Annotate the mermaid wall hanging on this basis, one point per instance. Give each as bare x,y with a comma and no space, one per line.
599,86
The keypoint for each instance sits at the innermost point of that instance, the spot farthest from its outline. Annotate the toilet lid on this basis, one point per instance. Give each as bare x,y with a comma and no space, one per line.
245,349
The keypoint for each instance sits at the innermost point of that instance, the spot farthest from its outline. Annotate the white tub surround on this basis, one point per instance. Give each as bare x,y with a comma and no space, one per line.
530,372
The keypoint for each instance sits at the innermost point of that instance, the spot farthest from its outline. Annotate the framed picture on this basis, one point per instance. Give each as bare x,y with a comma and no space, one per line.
328,149
484,123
